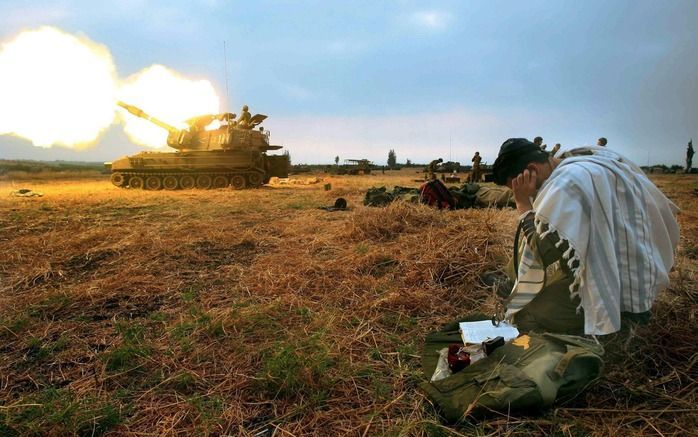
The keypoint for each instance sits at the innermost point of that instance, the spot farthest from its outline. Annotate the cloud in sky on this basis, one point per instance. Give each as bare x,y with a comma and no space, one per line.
432,20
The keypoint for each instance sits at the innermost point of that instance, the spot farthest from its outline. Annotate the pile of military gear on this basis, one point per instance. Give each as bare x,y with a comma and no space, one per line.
434,193
288,181
380,196
528,373
469,195
26,192
339,205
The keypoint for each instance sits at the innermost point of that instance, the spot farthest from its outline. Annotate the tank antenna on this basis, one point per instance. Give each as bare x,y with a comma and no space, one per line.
450,158
225,66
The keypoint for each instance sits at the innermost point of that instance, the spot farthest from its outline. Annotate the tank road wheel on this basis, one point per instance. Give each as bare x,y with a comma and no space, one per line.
203,182
170,182
255,179
220,181
238,182
187,182
135,182
153,183
118,179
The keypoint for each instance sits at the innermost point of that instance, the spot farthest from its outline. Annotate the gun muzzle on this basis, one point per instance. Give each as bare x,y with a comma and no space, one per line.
132,109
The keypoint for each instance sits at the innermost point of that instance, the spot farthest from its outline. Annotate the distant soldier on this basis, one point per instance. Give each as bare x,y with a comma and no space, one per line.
602,142
245,117
538,141
689,156
555,149
476,173
432,168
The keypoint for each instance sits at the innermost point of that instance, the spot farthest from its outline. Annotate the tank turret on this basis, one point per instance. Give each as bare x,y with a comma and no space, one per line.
229,134
233,153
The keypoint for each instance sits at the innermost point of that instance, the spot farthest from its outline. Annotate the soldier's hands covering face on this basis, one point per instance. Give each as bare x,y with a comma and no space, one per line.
524,187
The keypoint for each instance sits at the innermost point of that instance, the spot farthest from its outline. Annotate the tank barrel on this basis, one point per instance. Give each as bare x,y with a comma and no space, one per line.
138,112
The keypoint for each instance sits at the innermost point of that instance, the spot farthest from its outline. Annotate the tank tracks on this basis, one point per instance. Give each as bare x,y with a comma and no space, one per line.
187,181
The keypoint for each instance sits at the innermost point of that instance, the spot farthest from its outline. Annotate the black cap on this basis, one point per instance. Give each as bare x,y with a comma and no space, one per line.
510,158
340,203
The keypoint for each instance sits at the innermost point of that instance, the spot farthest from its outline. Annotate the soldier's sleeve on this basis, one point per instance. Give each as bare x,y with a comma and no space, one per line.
546,247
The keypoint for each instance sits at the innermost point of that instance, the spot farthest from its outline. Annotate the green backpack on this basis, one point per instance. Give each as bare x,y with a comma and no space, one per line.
526,374
378,197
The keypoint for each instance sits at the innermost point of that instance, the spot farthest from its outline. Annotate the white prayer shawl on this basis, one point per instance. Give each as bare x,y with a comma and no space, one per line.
621,229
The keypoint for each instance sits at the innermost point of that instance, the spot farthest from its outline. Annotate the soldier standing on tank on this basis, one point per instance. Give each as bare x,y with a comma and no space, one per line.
432,168
245,117
476,173
689,156
538,141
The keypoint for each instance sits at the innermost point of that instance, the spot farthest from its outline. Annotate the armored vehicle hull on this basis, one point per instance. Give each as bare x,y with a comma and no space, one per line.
197,169
232,155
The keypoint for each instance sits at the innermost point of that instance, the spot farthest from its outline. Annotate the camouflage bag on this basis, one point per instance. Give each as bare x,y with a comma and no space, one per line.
410,195
377,197
527,374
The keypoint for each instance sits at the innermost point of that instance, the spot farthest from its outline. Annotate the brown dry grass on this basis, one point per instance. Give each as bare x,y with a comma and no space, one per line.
223,312
15,177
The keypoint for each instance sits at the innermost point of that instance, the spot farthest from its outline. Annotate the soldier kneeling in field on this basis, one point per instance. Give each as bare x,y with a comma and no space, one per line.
595,243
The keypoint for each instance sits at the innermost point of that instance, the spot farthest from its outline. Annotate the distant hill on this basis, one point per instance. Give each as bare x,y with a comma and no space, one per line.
30,169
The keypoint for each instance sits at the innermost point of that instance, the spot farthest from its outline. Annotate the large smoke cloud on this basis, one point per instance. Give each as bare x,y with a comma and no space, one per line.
61,89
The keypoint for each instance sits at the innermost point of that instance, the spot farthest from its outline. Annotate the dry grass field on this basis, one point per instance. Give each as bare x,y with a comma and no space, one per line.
255,313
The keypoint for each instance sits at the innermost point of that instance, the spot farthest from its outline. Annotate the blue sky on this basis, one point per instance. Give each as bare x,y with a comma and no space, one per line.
358,78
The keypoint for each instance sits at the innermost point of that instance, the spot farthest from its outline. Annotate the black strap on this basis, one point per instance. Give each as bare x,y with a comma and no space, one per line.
517,237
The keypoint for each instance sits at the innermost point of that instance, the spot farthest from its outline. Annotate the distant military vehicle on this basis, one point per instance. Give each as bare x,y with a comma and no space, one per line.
449,167
486,172
234,154
355,167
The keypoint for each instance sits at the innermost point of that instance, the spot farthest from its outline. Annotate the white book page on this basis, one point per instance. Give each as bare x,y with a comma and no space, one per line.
477,332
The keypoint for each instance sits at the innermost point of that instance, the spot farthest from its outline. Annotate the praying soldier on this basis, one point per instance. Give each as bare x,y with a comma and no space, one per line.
570,245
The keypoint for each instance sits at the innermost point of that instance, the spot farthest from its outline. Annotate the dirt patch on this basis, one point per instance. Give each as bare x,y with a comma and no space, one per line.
216,254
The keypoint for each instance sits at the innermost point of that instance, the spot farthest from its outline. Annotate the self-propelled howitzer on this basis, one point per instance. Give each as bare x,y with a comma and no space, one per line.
233,153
